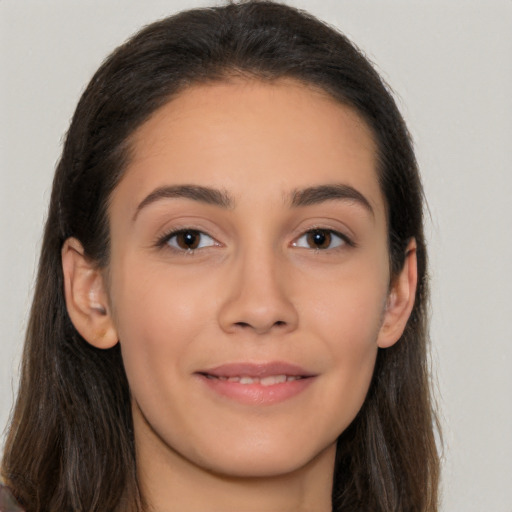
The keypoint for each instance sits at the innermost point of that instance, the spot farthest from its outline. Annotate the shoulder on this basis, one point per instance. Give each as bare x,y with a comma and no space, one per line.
7,501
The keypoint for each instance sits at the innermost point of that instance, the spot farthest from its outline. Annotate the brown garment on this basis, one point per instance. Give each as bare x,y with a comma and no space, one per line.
7,501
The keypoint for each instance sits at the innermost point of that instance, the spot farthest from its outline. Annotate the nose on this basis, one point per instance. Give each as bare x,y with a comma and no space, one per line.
258,298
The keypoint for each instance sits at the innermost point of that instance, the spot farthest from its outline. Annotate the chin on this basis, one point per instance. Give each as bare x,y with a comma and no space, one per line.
265,460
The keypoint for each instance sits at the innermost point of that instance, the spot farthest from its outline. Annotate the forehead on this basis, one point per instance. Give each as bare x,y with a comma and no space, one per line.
253,137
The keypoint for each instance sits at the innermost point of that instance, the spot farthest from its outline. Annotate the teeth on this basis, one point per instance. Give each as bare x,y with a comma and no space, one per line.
271,380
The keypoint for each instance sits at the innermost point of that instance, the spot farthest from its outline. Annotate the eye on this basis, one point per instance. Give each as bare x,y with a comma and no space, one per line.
321,239
189,240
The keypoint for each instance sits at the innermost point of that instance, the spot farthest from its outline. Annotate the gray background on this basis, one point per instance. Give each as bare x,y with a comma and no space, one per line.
450,64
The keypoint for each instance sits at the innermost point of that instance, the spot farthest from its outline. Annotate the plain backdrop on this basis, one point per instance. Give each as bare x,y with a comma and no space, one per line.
450,65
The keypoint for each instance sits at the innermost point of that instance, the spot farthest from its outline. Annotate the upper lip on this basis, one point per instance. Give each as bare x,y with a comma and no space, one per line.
259,370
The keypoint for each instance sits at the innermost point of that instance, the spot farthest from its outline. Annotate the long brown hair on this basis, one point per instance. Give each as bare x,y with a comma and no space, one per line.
70,445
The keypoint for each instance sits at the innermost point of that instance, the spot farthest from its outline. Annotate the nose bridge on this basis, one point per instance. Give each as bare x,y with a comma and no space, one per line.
258,297
259,274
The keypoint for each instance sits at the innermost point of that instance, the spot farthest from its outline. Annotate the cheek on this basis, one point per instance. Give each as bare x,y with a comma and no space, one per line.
347,305
348,325
158,319
345,316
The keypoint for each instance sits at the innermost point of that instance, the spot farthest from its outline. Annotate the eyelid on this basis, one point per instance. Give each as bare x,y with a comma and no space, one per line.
163,240
343,237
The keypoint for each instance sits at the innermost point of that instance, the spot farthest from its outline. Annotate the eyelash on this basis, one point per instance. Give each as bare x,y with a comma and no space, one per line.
164,240
344,240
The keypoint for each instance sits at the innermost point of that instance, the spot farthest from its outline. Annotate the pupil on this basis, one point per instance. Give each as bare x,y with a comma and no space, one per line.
320,239
189,240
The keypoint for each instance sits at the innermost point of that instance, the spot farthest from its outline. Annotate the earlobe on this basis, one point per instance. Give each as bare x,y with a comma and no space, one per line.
400,300
86,297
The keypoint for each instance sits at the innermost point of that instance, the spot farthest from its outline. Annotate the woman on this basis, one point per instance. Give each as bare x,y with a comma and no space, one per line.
232,288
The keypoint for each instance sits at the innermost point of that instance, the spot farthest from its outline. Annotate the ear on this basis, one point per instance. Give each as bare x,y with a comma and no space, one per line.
400,300
86,297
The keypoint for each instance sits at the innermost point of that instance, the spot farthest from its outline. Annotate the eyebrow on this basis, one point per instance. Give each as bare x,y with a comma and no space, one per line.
303,197
195,192
316,195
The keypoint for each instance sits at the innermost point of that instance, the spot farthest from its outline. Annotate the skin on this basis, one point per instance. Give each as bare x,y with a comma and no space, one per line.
256,290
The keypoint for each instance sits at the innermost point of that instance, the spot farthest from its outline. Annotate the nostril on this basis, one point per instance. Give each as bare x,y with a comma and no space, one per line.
245,325
242,324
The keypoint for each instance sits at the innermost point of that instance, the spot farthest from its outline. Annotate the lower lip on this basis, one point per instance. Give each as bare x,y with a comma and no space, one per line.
257,394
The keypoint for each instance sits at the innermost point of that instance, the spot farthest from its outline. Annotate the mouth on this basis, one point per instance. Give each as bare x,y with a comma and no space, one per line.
271,380
257,384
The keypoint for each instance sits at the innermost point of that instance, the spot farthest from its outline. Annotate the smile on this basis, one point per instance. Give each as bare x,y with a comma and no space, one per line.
257,384
264,381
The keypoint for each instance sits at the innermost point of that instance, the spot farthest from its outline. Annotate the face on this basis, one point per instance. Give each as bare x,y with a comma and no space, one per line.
249,276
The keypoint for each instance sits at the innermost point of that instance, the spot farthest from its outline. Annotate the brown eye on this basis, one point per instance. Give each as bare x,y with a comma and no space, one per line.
189,240
321,239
